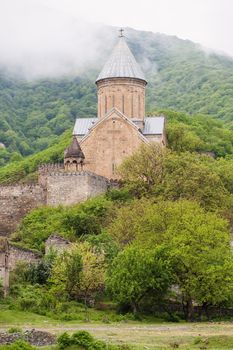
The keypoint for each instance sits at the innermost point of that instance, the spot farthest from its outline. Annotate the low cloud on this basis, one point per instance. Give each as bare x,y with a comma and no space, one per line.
38,42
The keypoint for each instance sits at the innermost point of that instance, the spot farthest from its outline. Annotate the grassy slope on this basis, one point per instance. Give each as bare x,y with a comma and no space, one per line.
26,170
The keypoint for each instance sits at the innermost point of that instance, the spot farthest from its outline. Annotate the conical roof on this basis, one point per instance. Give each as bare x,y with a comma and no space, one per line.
74,150
121,64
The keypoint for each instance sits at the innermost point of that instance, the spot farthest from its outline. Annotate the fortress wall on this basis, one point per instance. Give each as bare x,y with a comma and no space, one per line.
56,187
71,188
15,202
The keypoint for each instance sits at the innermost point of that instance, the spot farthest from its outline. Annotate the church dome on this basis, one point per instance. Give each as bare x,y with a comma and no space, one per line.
121,63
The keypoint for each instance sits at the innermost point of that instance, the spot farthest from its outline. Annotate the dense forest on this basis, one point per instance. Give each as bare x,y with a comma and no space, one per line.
181,76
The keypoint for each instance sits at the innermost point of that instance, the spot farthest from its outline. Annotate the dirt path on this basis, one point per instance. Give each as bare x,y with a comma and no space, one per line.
220,328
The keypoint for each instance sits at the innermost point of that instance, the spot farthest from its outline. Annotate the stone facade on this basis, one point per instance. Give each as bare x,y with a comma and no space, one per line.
109,142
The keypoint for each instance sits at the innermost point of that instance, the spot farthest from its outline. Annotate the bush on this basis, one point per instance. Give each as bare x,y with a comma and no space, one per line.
83,340
64,341
14,330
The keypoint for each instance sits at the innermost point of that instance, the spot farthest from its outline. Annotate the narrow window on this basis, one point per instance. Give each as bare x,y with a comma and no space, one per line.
106,104
139,105
132,106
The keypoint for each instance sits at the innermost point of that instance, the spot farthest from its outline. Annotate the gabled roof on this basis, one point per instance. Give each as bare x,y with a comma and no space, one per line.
109,114
121,64
153,125
74,150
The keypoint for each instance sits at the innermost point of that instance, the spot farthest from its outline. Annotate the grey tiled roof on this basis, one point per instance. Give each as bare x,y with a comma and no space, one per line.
121,64
153,125
82,125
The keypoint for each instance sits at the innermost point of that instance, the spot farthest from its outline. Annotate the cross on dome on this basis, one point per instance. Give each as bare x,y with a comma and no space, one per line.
121,32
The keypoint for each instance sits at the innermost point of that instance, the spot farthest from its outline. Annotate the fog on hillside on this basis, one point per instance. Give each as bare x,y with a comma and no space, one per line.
36,41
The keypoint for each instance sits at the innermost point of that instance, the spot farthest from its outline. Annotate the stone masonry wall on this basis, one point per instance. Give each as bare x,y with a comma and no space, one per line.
55,187
16,202
17,254
71,188
56,244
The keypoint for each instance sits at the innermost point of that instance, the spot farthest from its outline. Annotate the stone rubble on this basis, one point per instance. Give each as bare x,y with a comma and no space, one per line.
33,336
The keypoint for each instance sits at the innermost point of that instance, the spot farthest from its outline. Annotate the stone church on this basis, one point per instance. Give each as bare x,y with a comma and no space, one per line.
121,125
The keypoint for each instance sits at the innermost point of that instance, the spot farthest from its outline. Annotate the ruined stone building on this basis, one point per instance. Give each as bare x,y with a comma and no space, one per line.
10,256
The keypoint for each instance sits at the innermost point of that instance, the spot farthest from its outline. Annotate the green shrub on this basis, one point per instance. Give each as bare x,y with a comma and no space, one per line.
15,330
64,341
83,340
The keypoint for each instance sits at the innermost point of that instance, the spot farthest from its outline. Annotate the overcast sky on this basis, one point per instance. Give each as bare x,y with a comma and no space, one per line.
209,22
46,29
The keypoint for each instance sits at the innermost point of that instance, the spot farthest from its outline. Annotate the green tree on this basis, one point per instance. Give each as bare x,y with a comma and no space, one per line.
79,273
155,171
198,243
136,273
66,274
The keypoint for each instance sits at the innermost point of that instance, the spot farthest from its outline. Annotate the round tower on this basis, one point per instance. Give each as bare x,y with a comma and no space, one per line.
121,84
74,157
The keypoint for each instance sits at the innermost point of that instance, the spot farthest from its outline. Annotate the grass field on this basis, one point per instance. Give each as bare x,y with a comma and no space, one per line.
157,336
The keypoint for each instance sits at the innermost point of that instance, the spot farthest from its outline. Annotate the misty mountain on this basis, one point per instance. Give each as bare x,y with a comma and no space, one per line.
181,75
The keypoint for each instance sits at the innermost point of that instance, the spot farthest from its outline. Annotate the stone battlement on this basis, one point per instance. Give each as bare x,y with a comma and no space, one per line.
77,173
51,167
19,188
